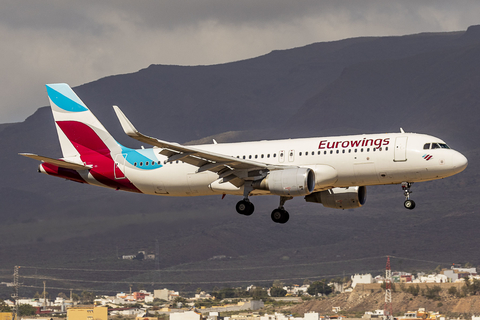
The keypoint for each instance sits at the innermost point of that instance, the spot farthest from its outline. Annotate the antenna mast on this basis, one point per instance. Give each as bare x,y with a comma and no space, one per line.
388,310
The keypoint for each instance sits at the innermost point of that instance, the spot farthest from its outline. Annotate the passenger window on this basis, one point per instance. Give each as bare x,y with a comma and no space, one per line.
250,157
134,164
386,148
243,157
141,164
274,155
319,152
158,162
426,146
268,155
256,156
261,156
368,149
355,150
299,153
349,150
338,151
343,151
325,152
331,151
146,163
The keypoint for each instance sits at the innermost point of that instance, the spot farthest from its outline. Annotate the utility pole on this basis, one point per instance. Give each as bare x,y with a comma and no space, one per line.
388,310
15,294
44,296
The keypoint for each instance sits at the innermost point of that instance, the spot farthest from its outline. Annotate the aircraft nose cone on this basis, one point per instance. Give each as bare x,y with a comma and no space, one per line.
459,161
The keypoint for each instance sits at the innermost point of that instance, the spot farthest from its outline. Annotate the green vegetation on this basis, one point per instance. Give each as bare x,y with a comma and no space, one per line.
26,310
319,287
432,293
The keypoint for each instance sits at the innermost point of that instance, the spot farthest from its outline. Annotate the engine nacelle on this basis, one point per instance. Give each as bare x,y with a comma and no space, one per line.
340,198
288,182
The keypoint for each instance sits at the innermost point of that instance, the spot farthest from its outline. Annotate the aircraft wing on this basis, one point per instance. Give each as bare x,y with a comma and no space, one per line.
203,159
57,162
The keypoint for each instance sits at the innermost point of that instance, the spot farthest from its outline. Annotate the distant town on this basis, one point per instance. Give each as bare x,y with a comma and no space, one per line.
252,302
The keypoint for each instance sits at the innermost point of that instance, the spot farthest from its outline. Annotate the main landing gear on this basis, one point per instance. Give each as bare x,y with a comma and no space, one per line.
409,204
279,215
245,207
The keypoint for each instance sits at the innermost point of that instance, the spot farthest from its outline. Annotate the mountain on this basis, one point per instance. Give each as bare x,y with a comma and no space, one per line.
424,83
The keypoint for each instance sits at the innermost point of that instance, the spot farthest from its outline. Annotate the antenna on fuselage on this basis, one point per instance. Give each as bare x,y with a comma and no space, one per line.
401,130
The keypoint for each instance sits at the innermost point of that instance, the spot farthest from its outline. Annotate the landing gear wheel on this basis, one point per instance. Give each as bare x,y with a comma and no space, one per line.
245,207
409,204
280,216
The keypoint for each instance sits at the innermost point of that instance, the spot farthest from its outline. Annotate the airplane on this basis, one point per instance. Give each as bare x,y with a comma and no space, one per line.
333,171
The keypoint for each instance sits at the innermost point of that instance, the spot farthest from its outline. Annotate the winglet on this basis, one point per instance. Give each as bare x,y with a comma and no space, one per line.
132,132
127,126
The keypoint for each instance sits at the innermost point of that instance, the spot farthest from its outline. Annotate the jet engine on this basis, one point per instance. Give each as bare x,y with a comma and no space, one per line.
340,198
288,182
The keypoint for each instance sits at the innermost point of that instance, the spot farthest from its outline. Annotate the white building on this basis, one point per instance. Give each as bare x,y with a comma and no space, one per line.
432,278
361,278
165,294
32,302
281,316
296,289
187,315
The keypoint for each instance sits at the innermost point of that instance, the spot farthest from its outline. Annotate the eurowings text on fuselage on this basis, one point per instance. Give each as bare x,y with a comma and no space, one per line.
333,171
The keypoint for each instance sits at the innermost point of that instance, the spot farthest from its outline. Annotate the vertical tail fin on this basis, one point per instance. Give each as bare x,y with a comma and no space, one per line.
79,131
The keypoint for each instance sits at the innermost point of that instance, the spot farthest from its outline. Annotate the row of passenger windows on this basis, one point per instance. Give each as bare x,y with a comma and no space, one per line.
147,163
435,145
319,152
274,155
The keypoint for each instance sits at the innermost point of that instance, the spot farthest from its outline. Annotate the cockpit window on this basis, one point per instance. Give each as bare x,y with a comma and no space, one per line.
439,146
426,146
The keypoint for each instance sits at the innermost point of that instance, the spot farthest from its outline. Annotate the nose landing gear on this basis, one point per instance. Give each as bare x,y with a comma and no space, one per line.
409,204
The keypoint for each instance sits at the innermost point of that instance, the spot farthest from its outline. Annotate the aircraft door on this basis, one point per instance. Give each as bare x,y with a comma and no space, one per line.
291,155
400,152
119,166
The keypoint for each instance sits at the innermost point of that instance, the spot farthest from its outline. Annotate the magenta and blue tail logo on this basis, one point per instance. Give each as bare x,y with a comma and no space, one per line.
427,156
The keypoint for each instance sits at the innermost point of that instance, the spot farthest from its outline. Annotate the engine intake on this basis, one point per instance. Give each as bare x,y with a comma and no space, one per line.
340,198
288,182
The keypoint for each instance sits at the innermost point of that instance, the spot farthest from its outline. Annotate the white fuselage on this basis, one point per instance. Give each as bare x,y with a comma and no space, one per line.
357,160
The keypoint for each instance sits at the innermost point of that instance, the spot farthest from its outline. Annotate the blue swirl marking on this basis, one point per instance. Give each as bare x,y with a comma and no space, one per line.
63,96
141,156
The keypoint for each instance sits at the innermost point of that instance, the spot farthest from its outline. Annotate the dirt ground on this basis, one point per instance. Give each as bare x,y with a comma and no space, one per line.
372,297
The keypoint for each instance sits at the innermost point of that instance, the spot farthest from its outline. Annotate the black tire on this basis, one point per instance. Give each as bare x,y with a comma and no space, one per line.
280,216
409,204
245,207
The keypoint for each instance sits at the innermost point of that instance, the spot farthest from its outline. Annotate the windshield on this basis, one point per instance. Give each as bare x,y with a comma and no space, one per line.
436,145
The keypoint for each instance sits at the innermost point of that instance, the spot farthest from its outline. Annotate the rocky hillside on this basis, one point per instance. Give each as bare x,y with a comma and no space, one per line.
372,297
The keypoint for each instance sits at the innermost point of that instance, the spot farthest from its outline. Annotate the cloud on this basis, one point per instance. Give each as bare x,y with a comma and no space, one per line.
81,41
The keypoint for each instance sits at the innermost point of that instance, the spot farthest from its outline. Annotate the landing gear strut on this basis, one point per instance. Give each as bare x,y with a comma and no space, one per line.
409,204
244,206
280,215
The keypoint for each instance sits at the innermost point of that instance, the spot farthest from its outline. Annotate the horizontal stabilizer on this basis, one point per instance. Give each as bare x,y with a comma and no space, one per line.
57,162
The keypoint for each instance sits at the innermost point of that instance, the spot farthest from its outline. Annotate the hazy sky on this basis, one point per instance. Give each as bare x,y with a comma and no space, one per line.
80,41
